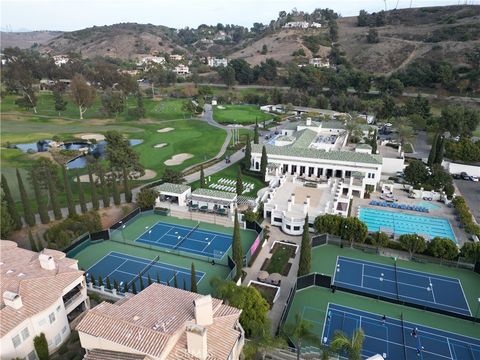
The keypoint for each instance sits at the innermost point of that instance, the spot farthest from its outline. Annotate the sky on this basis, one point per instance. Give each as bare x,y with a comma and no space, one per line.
69,15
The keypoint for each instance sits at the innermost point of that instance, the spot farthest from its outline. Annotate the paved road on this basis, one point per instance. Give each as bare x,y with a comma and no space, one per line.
421,147
471,192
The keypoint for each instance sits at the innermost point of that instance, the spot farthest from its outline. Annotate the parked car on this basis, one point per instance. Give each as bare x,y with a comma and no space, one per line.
457,176
474,178
399,174
227,159
464,175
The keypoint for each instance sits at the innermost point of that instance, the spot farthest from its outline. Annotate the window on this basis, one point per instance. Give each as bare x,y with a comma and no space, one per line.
371,175
50,342
58,308
58,339
32,355
288,227
64,330
42,322
277,219
296,228
25,334
51,317
16,341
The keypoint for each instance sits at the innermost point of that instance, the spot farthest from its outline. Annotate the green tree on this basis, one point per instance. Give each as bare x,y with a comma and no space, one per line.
239,183
125,287
41,204
60,102
471,251
81,196
380,239
142,285
68,192
373,142
108,284
41,346
126,186
149,280
158,278
83,95
443,248
175,281
193,279
113,102
202,178
10,205
140,107
146,198
372,36
134,288
7,225
100,280
237,249
103,187
405,134
92,279
416,173
329,224
254,316
247,160
116,286
440,150
433,150
353,230
120,154
184,286
115,192
300,331
93,190
228,75
256,135
173,176
31,240
27,209
264,50
351,346
412,243
53,192
264,163
305,251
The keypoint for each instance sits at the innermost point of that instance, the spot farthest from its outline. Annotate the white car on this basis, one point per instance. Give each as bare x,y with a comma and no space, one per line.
474,178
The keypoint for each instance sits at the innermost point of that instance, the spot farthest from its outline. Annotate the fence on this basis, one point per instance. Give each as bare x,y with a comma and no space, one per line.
252,253
125,219
77,242
233,268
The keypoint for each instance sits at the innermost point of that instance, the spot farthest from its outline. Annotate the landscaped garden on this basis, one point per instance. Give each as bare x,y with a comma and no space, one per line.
278,262
267,292
239,114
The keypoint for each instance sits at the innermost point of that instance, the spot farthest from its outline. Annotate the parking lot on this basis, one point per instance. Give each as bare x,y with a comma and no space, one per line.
470,190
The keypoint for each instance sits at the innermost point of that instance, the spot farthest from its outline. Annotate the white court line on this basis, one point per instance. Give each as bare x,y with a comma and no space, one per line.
402,296
209,243
363,269
149,228
431,289
183,270
465,298
449,348
335,271
111,272
104,256
398,282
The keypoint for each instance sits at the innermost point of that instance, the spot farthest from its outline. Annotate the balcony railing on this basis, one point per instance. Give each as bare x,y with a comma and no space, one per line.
73,299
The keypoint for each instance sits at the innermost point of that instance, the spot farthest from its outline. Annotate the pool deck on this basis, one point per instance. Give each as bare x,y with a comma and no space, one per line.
442,211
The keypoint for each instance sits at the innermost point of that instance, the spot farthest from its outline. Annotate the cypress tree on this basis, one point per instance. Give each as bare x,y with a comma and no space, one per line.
115,192
92,279
239,184
264,163
93,187
256,136
168,282
115,285
125,287
100,280
374,142
33,246
41,204
305,251
81,196
184,284
175,281
104,188
142,286
27,209
440,150
109,286
68,192
126,186
158,278
247,160
134,288
52,191
237,250
193,279
39,243
149,280
202,178
41,346
433,151
12,209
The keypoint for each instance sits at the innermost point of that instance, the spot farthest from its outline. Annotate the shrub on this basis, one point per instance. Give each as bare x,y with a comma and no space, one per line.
41,346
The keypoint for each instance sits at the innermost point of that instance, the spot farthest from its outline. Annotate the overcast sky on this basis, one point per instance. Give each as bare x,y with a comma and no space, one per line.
22,15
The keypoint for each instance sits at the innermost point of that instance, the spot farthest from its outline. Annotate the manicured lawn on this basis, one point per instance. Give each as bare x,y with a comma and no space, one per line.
279,260
231,174
408,148
239,114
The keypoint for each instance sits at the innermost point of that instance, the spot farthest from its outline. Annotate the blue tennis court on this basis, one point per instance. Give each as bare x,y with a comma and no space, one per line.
393,338
416,287
124,268
193,240
402,223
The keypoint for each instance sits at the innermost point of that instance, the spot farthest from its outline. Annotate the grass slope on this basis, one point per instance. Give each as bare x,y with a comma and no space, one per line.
239,114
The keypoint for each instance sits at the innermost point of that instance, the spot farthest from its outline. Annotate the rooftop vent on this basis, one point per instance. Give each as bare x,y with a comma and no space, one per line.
46,262
12,299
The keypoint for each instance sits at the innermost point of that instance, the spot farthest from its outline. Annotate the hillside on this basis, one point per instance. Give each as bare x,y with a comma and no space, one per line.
280,46
125,41
26,40
448,33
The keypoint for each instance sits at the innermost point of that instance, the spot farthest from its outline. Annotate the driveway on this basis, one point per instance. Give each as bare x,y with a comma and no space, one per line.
421,147
470,190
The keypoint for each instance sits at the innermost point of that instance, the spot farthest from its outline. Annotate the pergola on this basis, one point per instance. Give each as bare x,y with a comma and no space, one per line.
207,200
175,193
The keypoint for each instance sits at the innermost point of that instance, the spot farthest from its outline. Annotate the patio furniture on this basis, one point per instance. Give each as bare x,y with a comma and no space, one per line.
262,276
275,278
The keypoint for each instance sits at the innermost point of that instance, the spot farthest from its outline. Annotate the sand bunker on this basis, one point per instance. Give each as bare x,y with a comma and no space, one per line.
98,137
164,130
149,174
159,146
178,159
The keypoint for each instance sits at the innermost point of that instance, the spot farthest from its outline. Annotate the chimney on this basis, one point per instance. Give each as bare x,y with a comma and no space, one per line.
197,341
203,310
46,262
307,200
308,122
12,299
292,198
289,205
305,208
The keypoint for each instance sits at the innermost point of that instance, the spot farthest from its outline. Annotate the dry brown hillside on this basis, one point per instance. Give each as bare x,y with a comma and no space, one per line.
25,40
280,47
447,33
126,41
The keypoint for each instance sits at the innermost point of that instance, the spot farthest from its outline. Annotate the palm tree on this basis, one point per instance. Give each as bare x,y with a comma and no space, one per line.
352,346
405,134
300,331
262,343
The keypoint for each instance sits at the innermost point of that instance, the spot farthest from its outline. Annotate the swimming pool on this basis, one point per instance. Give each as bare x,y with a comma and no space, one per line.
428,205
401,223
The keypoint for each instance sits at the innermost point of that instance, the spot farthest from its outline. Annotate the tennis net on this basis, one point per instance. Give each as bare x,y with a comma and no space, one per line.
145,269
403,336
396,280
186,236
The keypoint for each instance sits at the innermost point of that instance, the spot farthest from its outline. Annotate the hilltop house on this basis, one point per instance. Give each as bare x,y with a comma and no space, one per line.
41,293
181,69
216,62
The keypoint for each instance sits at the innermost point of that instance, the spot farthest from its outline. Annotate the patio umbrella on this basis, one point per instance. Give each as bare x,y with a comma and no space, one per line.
262,276
275,277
